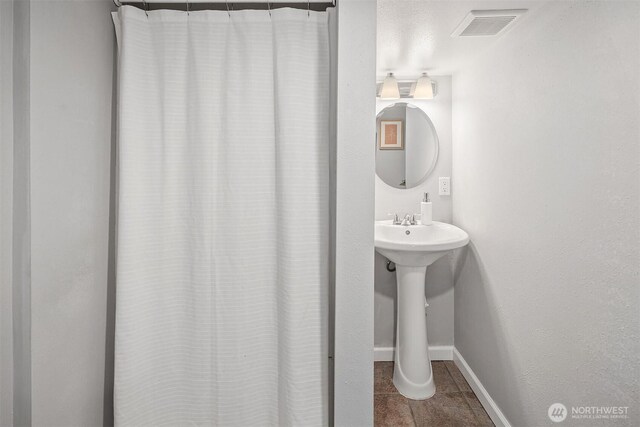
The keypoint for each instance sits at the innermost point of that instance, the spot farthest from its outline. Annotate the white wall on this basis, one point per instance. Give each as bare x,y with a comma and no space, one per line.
72,53
356,86
547,184
439,288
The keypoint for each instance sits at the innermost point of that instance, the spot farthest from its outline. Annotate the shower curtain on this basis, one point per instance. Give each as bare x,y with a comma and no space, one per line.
222,265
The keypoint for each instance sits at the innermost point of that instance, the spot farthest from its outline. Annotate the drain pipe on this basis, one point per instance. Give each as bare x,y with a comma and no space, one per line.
389,268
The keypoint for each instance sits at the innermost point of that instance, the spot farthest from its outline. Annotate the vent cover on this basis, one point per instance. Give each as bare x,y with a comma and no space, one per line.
480,23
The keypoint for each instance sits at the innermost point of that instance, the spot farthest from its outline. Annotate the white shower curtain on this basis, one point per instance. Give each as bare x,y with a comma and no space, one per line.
222,265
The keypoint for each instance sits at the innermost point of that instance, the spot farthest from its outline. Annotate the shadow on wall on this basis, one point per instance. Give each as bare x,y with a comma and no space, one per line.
109,347
438,282
474,299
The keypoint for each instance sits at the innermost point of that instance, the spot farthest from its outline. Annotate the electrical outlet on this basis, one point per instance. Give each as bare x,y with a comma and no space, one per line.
444,189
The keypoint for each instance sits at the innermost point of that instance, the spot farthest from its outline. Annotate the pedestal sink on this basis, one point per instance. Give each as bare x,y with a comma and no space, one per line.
412,248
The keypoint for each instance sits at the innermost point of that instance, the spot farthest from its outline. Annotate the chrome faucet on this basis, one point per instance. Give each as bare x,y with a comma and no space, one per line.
408,220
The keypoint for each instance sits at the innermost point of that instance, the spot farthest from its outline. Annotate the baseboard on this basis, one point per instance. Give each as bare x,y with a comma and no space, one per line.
436,352
488,403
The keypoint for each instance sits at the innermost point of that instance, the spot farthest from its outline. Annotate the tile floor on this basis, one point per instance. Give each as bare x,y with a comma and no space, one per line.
453,405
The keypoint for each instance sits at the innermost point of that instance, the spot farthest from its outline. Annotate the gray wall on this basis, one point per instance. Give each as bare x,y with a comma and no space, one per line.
72,54
547,184
390,164
439,281
15,366
6,212
21,250
418,128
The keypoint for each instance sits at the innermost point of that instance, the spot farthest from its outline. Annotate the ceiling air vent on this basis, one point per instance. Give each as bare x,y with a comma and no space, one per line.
486,22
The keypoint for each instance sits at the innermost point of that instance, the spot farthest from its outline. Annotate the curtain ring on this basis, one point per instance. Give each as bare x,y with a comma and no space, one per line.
146,8
269,8
308,8
228,12
187,7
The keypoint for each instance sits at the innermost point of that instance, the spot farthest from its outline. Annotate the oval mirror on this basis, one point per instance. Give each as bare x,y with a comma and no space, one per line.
406,146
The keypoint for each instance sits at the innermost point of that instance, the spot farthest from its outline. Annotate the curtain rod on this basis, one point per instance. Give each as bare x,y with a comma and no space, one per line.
122,2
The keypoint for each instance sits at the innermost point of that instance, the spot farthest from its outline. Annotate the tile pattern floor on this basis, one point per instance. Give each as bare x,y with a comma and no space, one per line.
453,405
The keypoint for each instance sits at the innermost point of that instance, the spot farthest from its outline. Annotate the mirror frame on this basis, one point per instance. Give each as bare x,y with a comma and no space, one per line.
432,167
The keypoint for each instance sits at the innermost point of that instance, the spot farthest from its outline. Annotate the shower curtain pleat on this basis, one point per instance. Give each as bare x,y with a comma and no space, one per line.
222,269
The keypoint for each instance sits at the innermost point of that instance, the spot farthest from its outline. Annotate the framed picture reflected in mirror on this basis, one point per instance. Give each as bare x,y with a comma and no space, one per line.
391,135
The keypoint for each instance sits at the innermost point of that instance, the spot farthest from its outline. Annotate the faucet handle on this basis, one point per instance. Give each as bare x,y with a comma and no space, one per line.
396,219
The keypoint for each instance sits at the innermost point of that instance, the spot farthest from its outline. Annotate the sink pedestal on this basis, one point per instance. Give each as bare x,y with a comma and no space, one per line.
412,374
412,248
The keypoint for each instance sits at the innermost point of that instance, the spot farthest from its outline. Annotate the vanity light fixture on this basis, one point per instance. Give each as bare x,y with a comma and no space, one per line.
424,88
390,88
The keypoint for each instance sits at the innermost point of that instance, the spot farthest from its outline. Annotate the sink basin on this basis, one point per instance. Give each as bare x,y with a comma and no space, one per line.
417,245
412,248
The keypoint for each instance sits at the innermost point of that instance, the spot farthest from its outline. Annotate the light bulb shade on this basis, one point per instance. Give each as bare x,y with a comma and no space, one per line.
424,88
390,88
